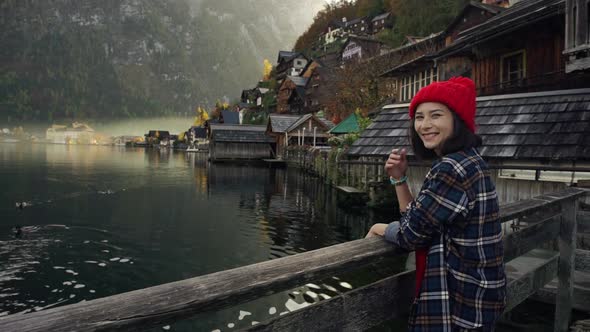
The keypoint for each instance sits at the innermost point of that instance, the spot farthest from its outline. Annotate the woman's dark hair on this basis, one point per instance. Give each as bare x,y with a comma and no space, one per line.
461,139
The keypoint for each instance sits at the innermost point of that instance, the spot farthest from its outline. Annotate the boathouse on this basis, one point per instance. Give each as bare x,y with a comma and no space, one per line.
239,142
307,129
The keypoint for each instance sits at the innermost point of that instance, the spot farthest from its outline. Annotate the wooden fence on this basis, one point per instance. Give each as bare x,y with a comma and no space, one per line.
544,219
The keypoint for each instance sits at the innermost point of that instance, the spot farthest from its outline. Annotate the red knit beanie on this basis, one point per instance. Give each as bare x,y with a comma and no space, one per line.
458,94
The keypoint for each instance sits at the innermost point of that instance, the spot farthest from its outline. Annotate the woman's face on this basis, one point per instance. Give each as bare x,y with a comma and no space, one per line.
434,124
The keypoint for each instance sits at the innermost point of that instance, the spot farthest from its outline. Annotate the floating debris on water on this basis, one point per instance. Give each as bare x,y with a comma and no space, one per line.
255,322
91,262
72,296
244,314
59,268
124,260
167,327
114,259
313,286
92,291
330,288
86,242
231,325
345,285
102,264
80,286
272,310
67,283
292,305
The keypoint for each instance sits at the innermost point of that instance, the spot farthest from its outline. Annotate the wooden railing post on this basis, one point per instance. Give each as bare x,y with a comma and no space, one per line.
565,273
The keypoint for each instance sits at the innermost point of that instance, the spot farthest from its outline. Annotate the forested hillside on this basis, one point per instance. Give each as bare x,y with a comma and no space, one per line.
127,58
411,17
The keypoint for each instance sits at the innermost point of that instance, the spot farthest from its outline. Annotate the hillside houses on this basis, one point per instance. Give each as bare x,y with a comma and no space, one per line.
533,105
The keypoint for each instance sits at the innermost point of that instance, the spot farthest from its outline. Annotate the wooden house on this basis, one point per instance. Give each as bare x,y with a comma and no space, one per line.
535,142
239,142
417,69
533,115
359,26
305,129
334,32
577,35
320,87
290,64
291,95
522,49
357,48
381,22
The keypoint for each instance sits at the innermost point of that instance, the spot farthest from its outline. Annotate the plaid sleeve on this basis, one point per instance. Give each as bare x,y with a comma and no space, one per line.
441,200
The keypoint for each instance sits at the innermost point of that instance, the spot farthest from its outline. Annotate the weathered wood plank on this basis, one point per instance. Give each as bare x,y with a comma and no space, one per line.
567,251
582,261
356,310
158,305
530,237
581,294
350,190
391,298
527,274
521,208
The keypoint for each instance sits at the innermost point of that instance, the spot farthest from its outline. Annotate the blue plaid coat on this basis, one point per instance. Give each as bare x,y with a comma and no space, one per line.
456,216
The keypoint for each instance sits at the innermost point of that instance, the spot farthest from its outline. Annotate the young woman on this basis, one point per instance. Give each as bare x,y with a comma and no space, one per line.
453,222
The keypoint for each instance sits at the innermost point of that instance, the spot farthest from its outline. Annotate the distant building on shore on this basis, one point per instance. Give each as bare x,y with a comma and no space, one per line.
76,133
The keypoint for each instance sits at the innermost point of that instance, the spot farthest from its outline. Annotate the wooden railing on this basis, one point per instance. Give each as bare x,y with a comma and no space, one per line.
542,219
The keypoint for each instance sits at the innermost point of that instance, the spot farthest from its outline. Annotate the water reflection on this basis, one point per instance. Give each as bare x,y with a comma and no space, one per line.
134,218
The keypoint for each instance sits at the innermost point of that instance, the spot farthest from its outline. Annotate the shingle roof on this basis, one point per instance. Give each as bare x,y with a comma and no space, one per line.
298,80
240,133
381,16
280,123
551,125
286,123
522,13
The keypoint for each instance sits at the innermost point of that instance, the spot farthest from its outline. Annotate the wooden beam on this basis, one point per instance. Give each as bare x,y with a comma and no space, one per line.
567,251
390,298
582,261
357,310
527,274
530,237
168,303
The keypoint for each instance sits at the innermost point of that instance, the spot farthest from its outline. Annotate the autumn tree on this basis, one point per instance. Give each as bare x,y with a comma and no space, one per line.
267,70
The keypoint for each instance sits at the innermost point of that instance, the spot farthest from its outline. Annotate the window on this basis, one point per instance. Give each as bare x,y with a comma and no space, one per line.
412,83
547,176
513,67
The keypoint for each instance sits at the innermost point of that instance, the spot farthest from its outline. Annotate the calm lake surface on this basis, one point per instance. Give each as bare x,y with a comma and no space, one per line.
100,221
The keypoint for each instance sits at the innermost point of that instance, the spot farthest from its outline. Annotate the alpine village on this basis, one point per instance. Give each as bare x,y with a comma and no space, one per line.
337,103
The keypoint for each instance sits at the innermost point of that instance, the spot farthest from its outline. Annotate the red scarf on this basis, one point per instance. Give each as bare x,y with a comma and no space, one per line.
420,267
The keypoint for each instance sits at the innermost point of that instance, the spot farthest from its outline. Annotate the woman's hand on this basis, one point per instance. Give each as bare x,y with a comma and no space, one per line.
376,230
397,164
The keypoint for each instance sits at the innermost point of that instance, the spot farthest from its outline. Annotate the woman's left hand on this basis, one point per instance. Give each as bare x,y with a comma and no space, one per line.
376,230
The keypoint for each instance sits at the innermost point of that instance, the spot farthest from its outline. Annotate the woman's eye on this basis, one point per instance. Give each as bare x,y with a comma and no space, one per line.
419,117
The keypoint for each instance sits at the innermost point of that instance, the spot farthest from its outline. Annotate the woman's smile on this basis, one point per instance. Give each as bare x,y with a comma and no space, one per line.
434,124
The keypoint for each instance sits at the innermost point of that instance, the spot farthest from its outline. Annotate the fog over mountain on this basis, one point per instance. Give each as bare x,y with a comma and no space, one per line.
127,58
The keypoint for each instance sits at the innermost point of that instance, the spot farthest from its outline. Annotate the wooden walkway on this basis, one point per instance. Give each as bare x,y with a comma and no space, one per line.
357,310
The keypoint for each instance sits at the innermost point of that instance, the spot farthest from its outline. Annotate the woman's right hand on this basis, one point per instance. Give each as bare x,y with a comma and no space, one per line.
397,164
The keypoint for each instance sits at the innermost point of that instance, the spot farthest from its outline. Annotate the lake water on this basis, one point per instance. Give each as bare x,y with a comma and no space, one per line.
100,221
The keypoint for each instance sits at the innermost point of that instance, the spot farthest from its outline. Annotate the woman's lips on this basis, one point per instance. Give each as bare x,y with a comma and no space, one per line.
429,136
